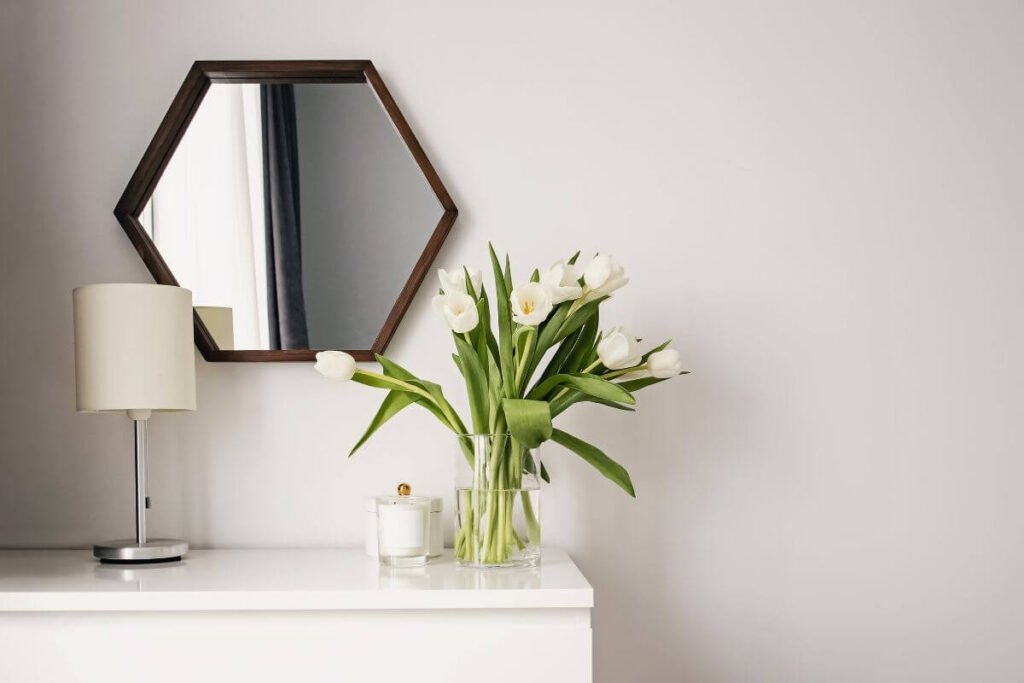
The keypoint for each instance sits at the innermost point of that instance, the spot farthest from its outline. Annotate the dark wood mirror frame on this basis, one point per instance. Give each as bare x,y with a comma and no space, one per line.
184,106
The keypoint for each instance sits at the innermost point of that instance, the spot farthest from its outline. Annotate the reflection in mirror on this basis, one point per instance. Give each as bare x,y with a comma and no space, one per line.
294,213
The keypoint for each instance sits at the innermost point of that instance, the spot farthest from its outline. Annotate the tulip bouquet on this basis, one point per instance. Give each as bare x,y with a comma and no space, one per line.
552,317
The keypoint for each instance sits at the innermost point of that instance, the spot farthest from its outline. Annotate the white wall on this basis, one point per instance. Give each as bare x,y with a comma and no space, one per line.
819,201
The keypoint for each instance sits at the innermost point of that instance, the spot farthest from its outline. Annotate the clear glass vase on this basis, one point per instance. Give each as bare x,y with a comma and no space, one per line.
497,502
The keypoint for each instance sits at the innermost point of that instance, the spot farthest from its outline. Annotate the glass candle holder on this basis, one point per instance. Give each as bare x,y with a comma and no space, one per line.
403,530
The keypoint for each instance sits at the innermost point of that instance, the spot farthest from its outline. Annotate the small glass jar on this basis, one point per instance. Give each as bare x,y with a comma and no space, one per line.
436,527
403,530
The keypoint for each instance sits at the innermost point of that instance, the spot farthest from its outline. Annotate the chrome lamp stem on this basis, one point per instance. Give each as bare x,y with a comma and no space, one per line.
140,549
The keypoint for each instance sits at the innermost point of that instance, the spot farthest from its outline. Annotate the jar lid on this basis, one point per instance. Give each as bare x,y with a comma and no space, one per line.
436,504
410,501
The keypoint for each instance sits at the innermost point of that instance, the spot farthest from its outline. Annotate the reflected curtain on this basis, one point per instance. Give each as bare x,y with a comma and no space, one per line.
206,213
285,301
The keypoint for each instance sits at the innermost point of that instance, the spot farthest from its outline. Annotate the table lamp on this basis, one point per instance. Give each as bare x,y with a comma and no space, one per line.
134,353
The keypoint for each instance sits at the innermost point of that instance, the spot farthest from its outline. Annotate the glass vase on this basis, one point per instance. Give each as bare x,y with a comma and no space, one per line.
497,502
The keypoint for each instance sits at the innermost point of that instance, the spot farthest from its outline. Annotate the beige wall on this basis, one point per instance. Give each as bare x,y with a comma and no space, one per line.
820,202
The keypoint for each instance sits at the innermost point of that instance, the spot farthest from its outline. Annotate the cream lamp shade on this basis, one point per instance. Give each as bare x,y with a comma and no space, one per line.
133,348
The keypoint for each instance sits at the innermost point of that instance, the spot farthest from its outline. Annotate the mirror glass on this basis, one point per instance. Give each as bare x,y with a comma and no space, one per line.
294,212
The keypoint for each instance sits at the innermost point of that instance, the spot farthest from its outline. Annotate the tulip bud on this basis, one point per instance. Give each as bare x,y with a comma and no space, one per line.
459,311
664,364
562,282
601,277
335,365
454,282
618,351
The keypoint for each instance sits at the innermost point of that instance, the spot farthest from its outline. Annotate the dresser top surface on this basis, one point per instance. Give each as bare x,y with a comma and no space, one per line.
280,579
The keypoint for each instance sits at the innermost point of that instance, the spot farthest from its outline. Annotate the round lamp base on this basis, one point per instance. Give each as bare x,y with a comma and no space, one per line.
127,551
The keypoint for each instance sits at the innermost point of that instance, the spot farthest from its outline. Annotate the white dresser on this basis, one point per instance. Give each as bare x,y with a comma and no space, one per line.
290,615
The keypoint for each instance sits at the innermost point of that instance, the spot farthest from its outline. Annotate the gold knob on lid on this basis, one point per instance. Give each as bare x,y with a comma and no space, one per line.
404,489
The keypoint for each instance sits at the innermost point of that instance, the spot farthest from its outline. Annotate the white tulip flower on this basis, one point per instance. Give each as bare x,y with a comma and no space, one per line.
562,282
618,351
531,303
458,309
602,276
455,281
664,364
335,365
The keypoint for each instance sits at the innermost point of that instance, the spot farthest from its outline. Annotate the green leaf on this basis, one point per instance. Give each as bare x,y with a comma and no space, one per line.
522,341
535,276
551,326
469,283
440,405
563,403
508,275
393,404
483,328
447,411
528,467
383,382
565,349
632,385
659,347
576,320
591,385
529,422
572,261
504,326
593,455
476,384
393,369
494,394
587,340
545,339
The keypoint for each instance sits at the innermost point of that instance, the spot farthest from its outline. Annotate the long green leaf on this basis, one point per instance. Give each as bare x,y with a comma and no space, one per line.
596,457
483,328
523,340
393,369
591,385
546,338
393,404
551,326
503,306
584,348
562,403
447,410
440,406
390,383
659,347
528,467
632,385
469,283
565,349
580,316
476,384
529,422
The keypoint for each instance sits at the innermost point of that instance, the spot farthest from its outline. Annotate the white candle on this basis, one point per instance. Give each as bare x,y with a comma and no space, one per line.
402,527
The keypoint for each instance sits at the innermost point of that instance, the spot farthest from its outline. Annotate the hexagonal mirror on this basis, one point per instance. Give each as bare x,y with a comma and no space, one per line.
294,201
